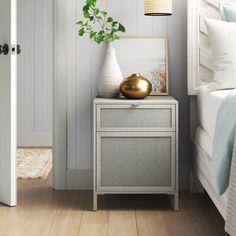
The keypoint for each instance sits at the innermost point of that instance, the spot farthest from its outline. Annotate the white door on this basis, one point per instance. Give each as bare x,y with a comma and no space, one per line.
7,102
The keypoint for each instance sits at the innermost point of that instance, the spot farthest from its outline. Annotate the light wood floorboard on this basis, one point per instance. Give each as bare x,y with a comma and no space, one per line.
176,223
42,215
68,217
149,217
44,211
95,223
13,219
122,218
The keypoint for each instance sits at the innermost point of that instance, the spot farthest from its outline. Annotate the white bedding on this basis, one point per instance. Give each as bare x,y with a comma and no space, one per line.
208,105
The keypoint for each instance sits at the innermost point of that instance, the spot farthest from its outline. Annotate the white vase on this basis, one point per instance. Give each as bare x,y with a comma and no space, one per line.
110,75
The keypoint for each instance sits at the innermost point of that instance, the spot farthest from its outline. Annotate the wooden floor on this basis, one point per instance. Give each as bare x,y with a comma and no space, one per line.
43,211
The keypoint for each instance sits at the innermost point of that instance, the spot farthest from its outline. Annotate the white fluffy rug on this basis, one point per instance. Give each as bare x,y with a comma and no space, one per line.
33,163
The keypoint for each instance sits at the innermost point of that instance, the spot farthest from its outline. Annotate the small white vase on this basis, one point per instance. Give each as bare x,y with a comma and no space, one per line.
110,75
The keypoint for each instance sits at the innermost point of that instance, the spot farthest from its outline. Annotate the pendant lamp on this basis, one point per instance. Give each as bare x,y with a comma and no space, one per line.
158,7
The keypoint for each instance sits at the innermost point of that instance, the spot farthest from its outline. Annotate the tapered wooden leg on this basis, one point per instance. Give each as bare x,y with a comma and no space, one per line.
175,201
95,201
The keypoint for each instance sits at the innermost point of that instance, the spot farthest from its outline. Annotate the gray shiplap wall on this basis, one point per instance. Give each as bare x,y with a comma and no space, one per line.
84,61
35,35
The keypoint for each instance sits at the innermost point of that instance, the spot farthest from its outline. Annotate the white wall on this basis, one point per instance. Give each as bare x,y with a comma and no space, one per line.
35,35
84,60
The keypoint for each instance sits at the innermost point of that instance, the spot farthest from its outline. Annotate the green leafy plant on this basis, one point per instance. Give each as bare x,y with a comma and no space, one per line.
108,28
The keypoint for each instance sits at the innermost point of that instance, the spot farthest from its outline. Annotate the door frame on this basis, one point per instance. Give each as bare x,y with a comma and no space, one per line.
59,95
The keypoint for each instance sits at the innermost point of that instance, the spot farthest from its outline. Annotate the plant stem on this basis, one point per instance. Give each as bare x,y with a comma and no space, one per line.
98,20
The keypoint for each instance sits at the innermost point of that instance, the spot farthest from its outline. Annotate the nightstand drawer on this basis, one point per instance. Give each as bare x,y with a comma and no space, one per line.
138,162
134,117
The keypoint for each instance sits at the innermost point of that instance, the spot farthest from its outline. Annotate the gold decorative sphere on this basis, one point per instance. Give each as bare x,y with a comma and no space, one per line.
135,87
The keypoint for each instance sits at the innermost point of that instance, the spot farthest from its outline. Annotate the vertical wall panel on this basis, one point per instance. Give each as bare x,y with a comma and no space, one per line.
43,65
114,8
39,64
29,65
84,104
48,65
71,85
35,35
144,23
160,26
84,98
26,10
129,19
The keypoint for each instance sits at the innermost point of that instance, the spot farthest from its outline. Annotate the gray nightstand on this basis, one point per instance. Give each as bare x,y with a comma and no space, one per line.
135,147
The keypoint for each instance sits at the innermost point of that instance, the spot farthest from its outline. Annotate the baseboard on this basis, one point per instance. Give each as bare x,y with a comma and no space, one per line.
83,180
34,139
79,179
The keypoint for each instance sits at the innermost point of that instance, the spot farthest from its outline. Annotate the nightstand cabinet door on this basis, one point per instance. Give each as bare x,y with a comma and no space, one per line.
135,162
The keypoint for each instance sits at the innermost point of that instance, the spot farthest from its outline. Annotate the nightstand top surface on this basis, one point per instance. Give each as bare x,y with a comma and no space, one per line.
147,100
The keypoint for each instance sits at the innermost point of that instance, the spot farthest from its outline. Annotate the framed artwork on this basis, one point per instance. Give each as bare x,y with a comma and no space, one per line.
147,56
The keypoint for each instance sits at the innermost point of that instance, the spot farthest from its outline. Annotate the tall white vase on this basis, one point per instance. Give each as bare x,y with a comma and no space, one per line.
110,75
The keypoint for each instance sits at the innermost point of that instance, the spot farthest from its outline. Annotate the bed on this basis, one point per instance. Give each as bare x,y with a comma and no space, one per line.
204,103
208,104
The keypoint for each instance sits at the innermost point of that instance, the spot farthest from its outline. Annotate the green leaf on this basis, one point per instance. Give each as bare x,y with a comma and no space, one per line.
110,36
80,22
81,32
99,39
86,14
113,37
104,13
91,2
96,10
99,17
114,23
121,28
96,39
102,32
113,31
92,35
87,23
109,19
116,37
85,8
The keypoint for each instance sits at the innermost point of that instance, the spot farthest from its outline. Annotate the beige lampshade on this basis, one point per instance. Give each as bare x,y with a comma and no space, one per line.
158,7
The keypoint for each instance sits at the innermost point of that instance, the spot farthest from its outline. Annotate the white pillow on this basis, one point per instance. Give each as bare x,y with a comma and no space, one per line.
222,38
